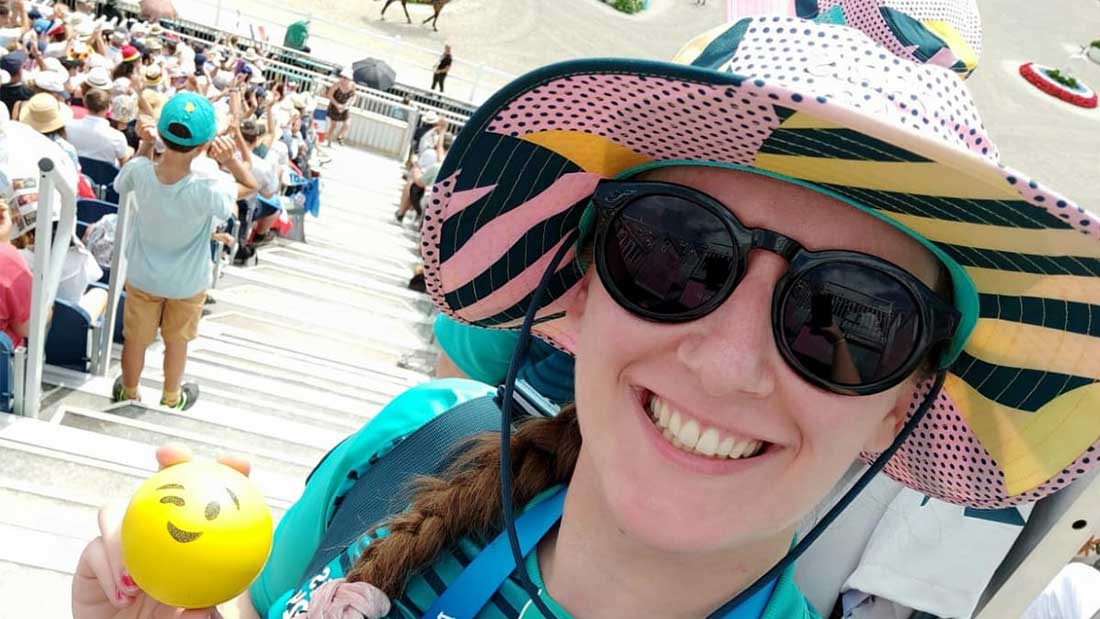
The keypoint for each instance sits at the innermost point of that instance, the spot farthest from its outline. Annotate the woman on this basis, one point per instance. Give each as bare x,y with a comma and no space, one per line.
339,101
767,267
47,115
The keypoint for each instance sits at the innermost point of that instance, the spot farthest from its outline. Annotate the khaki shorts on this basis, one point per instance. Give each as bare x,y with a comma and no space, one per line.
177,319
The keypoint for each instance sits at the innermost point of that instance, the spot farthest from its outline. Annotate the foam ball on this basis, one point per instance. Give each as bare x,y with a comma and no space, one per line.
196,534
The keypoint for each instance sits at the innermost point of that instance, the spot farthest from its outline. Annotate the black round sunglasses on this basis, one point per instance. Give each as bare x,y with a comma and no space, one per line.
846,321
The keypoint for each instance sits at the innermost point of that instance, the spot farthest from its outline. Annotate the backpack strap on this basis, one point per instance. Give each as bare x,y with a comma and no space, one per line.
382,489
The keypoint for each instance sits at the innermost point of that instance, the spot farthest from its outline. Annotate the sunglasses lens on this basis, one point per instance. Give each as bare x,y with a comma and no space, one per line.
850,324
668,256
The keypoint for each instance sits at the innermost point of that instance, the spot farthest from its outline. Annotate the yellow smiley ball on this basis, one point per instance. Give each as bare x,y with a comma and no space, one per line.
196,534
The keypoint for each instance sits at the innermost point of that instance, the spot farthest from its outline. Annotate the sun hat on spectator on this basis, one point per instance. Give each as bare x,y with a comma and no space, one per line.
154,75
98,77
346,73
51,81
118,39
13,62
155,101
84,30
79,51
123,108
882,123
130,54
121,86
156,30
251,56
299,100
153,45
222,80
53,64
44,113
187,119
430,117
139,29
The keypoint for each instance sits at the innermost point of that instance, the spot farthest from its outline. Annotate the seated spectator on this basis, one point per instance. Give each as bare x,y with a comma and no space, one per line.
16,283
15,91
263,204
94,137
48,116
78,271
99,238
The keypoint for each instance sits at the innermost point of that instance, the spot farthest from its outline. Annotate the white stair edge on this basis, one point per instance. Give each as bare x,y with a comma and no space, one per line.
40,549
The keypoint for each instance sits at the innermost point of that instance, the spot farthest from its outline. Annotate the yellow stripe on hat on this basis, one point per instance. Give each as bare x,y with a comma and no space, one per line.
1061,287
1032,347
917,178
592,153
1045,242
799,120
694,48
955,41
1030,448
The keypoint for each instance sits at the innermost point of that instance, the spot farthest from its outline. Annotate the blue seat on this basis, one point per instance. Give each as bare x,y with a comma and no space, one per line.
7,373
68,341
103,175
91,211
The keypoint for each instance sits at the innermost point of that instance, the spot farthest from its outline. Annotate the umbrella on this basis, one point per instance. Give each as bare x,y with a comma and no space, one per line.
373,73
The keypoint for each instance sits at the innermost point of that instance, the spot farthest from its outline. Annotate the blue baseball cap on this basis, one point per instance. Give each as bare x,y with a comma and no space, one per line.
13,61
42,25
187,119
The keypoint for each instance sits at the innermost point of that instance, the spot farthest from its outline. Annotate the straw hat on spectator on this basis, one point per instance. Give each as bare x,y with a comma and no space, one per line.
251,56
156,30
45,114
54,64
121,86
155,100
84,30
118,39
99,78
123,108
430,117
299,100
51,81
154,76
153,45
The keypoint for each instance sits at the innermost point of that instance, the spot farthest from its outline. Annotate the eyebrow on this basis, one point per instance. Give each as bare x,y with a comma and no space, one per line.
234,497
171,487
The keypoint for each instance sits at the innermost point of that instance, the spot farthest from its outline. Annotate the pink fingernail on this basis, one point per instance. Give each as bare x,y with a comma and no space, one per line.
129,582
119,595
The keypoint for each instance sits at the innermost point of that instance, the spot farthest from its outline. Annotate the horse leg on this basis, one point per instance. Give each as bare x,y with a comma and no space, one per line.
405,7
387,5
432,19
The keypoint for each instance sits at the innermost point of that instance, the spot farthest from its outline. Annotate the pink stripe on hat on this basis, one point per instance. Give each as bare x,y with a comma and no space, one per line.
516,289
462,199
493,240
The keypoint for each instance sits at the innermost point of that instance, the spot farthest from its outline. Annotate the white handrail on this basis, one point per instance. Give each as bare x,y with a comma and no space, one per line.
49,261
126,207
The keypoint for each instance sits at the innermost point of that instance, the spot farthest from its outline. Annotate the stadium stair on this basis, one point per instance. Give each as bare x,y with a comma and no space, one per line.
296,353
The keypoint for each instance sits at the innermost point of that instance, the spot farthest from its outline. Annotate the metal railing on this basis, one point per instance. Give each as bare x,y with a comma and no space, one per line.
117,281
49,260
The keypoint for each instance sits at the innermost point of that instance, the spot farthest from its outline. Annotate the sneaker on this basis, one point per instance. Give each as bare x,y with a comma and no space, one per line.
118,392
189,394
263,239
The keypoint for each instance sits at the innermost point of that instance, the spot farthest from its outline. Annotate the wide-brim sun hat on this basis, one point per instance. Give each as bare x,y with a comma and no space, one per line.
100,78
44,113
153,75
50,81
822,105
155,101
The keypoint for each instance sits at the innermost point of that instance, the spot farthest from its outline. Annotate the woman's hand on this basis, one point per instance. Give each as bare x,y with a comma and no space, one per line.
102,589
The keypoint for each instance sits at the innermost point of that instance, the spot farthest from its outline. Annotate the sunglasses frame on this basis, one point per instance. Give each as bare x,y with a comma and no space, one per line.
938,318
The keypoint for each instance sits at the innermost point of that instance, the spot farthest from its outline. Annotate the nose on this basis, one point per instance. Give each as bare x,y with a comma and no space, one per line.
732,349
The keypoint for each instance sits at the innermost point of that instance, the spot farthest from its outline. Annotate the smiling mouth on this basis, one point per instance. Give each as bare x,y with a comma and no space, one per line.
696,437
180,535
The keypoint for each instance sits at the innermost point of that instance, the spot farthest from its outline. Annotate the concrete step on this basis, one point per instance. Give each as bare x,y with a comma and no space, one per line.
49,589
264,453
318,286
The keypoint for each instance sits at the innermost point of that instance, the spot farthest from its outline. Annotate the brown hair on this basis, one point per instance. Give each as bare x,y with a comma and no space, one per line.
97,101
465,500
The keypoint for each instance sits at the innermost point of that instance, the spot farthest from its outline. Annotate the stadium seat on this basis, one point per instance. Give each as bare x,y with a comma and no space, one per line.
7,373
68,341
91,211
103,175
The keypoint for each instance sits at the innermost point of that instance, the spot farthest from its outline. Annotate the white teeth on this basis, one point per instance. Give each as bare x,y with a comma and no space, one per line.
725,447
674,423
708,442
689,435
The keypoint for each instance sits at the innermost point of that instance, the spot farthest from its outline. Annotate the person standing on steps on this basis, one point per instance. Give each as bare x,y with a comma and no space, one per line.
441,68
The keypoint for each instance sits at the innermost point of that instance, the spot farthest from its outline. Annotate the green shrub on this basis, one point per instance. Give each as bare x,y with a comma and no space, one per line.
629,6
1095,44
1064,79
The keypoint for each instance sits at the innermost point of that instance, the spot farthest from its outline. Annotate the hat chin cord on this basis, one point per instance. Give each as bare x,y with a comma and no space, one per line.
518,356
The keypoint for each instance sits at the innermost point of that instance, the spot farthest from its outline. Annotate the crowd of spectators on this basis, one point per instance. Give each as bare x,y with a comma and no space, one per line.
91,94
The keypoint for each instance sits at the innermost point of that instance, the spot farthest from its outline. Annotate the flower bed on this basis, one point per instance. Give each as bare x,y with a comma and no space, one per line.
1060,85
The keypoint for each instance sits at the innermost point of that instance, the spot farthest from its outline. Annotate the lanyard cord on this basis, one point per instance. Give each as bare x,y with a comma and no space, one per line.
840,506
518,356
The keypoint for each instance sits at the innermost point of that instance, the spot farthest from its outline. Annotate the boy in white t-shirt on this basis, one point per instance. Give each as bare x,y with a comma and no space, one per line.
168,256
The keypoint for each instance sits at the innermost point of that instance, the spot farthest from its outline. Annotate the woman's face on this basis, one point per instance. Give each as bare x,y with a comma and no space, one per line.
724,371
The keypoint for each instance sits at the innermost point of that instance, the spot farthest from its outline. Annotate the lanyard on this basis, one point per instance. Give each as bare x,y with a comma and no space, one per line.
468,594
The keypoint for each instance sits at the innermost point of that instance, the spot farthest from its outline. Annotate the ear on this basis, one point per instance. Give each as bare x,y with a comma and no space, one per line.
887,430
579,302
